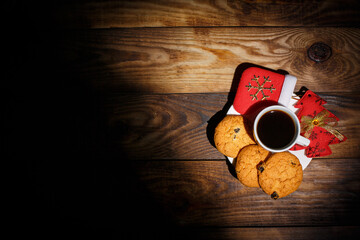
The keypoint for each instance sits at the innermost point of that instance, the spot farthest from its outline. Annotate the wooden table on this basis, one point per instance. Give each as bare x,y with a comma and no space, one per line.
120,100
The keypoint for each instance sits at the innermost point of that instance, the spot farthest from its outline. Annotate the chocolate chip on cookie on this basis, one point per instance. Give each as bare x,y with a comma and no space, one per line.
274,195
261,168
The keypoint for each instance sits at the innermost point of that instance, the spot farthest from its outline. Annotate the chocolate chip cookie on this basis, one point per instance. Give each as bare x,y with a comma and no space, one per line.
231,135
246,164
280,175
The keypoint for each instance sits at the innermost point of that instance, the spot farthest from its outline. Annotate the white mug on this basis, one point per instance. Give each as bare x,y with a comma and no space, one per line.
292,138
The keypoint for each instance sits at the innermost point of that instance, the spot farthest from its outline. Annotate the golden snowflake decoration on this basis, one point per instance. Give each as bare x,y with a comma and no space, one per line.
260,88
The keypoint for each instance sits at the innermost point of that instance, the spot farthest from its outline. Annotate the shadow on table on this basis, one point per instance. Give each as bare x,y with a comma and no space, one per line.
250,114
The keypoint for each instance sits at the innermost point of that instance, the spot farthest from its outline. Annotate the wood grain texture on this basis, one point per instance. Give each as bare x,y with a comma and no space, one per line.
113,104
110,14
256,233
251,233
180,126
198,60
204,193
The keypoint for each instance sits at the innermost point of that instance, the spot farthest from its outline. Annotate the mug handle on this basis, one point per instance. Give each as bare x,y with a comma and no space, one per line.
303,141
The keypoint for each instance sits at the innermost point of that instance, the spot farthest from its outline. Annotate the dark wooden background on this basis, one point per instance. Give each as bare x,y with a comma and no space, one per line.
110,107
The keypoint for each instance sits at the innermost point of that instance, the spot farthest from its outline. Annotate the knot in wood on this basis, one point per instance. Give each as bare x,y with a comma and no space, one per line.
319,52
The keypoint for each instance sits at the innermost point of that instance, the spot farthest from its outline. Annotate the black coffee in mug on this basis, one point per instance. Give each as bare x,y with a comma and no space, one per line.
276,129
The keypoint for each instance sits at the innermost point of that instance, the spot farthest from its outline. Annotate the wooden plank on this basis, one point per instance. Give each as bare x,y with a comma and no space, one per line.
296,233
180,126
84,193
204,193
255,233
197,60
110,14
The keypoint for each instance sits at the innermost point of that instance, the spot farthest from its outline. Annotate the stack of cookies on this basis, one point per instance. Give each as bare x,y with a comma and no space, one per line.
278,174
